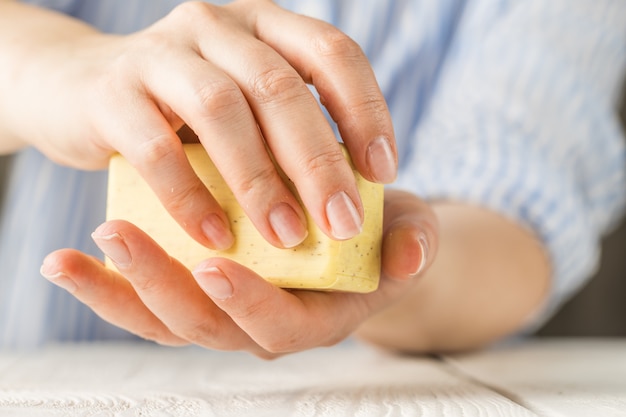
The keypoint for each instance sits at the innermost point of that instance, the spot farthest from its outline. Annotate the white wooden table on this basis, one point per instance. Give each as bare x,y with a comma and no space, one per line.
535,378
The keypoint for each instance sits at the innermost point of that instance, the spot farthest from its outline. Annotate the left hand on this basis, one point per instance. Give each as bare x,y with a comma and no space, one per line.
223,305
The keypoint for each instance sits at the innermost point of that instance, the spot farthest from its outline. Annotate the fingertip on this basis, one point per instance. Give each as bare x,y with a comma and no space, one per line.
213,282
70,269
52,271
218,232
405,252
381,160
422,241
114,247
343,216
220,279
288,226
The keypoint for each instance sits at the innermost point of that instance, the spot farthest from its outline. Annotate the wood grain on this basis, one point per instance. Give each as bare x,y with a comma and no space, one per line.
145,380
555,377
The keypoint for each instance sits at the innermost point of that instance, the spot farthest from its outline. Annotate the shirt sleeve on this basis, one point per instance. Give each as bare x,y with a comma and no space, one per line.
524,121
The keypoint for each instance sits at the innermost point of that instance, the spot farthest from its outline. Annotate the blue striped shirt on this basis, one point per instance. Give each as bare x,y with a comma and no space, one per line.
510,105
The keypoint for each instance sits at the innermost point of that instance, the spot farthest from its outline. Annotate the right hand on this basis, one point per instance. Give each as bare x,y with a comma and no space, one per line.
229,307
236,75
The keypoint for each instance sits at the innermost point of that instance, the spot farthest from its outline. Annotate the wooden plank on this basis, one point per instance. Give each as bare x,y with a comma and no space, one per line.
555,377
348,380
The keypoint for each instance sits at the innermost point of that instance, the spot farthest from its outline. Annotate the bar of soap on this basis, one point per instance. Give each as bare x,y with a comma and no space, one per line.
318,263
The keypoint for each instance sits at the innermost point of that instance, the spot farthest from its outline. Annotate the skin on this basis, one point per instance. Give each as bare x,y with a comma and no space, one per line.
229,75
454,277
245,312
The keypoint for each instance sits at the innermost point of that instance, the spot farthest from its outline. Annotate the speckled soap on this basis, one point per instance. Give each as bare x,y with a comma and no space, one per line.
317,263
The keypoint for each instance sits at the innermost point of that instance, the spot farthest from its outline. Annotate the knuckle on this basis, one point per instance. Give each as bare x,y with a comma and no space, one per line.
253,310
177,201
150,41
257,181
219,99
327,333
154,286
325,159
333,43
149,286
132,56
370,103
163,337
156,149
110,86
332,339
159,152
192,10
283,340
283,344
276,84
202,333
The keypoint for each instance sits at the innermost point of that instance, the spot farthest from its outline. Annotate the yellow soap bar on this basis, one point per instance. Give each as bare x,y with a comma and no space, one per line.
317,263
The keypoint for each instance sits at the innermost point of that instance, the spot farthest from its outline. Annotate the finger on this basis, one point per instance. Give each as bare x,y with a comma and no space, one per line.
168,289
107,293
410,238
343,77
291,123
218,112
279,321
142,134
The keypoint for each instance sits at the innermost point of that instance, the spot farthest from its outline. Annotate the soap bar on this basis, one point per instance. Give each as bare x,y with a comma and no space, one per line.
318,263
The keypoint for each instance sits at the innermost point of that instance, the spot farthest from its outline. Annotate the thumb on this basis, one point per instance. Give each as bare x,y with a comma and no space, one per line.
410,235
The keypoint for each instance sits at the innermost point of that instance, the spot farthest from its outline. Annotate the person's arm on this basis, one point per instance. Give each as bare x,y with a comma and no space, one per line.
28,37
489,277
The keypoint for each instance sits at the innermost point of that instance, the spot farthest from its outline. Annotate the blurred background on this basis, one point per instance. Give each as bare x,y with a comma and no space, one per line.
600,308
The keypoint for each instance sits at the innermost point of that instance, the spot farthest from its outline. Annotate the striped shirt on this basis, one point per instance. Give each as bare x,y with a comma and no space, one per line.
510,105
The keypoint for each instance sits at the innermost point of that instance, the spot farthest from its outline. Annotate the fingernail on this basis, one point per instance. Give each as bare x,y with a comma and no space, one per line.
421,240
287,225
114,247
217,232
381,161
214,283
58,278
345,221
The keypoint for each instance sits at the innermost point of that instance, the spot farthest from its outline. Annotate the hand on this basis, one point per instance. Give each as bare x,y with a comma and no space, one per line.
237,76
222,305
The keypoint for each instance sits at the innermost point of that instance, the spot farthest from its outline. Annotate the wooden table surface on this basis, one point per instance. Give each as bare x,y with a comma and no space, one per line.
544,377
